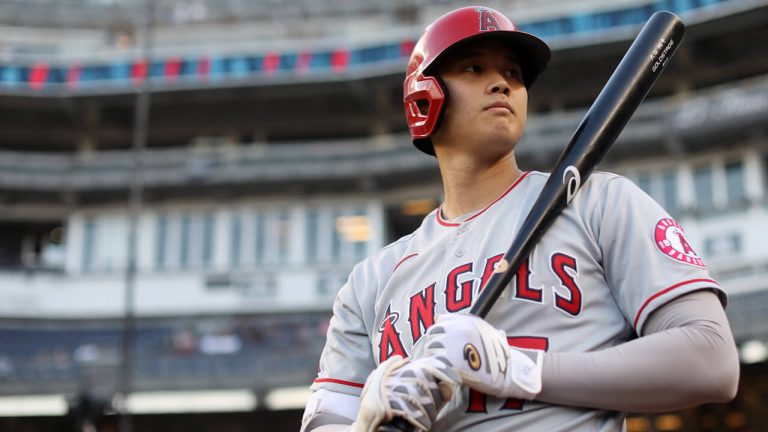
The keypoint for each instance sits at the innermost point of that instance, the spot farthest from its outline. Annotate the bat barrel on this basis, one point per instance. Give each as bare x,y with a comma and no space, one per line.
629,84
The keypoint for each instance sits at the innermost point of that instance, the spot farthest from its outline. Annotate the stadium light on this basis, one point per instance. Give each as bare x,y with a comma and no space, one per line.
753,351
180,402
33,406
286,398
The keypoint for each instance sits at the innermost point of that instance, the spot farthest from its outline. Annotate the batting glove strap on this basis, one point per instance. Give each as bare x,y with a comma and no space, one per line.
481,356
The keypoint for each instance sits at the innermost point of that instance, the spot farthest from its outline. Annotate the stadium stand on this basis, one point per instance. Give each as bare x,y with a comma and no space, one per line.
181,69
170,354
277,157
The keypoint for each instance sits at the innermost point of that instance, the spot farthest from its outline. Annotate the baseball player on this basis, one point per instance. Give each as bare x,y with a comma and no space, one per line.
612,312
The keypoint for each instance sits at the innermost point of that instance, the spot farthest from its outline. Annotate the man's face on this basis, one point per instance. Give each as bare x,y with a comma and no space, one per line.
487,102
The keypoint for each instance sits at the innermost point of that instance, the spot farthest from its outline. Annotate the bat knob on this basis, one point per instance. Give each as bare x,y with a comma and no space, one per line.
396,425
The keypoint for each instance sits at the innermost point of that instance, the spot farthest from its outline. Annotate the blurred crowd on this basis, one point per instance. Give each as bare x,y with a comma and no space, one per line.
64,351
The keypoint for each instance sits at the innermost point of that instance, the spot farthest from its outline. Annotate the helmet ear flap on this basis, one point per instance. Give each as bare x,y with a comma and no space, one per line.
424,98
425,144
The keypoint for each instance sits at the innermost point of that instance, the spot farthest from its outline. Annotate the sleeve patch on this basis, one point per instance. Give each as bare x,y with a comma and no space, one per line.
670,240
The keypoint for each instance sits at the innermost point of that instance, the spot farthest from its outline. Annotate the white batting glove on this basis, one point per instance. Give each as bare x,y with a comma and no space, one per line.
415,391
480,354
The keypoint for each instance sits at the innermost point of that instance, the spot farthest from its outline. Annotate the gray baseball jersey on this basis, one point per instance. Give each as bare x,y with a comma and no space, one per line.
609,260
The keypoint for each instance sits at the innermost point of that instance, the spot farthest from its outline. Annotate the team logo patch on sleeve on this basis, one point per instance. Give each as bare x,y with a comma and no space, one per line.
671,241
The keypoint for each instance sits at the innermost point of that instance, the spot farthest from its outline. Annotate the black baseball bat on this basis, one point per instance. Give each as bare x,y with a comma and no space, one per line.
622,94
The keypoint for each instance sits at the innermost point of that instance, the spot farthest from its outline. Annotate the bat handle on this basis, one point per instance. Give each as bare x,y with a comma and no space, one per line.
397,424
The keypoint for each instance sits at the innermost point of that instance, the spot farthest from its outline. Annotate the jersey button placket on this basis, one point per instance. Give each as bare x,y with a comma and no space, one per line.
459,231
462,229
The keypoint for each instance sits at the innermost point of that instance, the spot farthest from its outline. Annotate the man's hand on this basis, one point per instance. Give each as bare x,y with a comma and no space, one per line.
481,356
415,391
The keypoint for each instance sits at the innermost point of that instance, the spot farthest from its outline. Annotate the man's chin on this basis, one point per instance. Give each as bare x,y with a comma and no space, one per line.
490,145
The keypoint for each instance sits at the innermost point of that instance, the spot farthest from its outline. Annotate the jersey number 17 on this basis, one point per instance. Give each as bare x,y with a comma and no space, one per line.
478,401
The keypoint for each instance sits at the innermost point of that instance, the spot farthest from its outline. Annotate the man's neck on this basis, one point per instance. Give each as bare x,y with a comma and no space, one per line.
471,185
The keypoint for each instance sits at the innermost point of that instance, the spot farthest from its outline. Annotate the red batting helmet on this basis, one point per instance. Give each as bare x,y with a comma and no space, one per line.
423,95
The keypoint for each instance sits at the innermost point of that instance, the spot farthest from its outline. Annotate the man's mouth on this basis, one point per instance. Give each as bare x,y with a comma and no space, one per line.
499,106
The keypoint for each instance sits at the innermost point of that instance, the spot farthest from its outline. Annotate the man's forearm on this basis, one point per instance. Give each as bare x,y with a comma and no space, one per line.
688,358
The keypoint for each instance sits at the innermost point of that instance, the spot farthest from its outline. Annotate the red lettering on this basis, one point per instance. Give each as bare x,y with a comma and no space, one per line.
390,343
422,314
523,289
572,305
512,404
529,342
490,266
458,296
478,402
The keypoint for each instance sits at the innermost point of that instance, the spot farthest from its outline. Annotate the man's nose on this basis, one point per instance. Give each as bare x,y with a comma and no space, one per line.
499,85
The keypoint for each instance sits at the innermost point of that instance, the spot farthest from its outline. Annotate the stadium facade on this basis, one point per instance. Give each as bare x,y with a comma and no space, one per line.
277,157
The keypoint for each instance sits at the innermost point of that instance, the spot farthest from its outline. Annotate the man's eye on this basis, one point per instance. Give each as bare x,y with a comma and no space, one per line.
515,73
472,68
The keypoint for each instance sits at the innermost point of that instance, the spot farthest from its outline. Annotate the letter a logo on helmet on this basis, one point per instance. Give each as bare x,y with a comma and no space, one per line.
487,20
423,95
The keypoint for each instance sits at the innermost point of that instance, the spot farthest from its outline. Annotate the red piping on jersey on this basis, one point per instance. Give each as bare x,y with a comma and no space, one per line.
664,291
403,260
443,222
338,381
